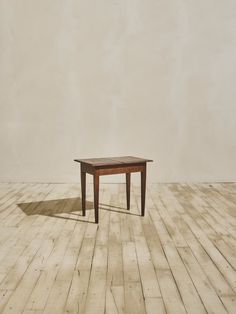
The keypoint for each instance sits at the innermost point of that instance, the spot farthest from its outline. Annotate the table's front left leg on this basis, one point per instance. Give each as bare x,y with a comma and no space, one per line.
143,190
128,190
96,195
83,191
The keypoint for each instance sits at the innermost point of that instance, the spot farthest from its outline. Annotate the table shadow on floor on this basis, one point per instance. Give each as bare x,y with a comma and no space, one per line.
56,208
60,208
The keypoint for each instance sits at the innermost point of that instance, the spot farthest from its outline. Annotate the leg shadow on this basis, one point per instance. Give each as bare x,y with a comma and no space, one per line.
56,208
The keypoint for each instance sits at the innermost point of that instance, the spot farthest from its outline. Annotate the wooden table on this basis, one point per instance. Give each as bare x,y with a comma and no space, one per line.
112,165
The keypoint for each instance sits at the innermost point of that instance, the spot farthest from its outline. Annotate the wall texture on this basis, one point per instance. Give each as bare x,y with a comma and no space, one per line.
153,78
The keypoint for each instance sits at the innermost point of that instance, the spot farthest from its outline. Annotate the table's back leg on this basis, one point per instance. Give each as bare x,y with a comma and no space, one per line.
83,191
128,190
143,190
96,195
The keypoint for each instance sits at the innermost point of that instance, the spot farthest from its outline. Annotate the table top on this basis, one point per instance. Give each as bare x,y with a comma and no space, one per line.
113,161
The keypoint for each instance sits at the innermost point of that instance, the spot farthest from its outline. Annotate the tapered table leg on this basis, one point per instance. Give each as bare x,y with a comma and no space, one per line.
128,190
96,195
83,191
143,190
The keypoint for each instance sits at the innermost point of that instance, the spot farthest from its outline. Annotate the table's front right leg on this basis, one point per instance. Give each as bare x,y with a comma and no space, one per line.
96,195
143,190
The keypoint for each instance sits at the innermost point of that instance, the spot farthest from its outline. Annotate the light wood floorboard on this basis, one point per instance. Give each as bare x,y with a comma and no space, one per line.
179,258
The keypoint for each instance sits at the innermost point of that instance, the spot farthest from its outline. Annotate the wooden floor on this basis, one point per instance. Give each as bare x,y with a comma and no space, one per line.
179,258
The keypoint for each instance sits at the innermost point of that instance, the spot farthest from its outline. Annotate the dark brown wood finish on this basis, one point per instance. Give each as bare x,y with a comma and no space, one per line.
83,191
143,190
96,195
128,190
112,165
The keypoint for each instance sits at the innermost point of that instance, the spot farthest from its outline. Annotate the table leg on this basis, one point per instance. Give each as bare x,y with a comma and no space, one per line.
143,190
128,190
96,195
83,191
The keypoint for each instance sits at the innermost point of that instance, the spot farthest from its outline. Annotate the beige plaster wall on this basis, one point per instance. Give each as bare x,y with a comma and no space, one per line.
152,78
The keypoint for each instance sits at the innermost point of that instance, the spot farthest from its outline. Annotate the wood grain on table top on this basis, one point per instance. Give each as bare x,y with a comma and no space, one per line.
113,161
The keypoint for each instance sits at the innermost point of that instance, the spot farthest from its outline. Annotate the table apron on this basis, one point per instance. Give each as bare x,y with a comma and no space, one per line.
118,170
